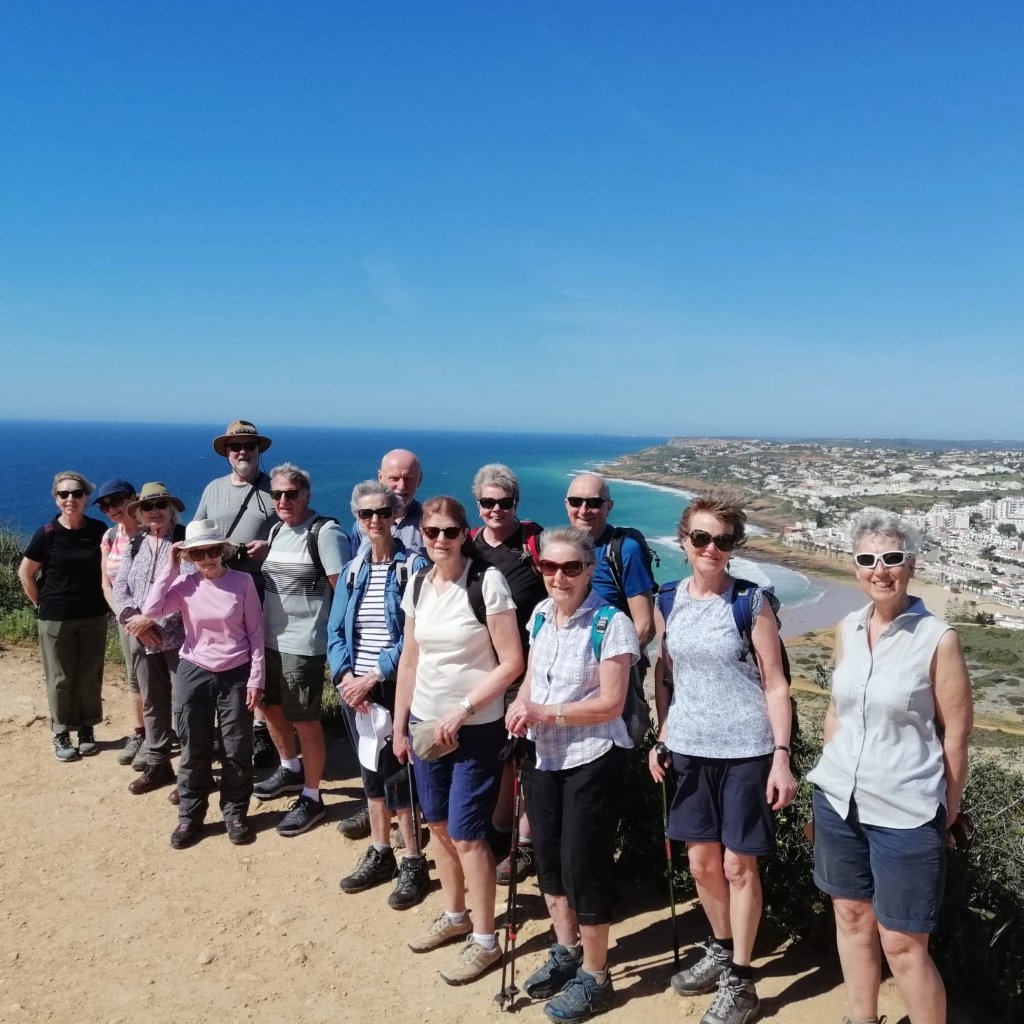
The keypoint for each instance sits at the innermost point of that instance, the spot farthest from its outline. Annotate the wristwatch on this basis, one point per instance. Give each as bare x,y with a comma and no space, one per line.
467,705
560,714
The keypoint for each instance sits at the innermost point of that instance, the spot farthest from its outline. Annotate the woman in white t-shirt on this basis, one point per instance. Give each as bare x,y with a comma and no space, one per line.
461,653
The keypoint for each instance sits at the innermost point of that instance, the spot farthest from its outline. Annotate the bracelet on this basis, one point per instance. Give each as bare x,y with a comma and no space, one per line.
779,746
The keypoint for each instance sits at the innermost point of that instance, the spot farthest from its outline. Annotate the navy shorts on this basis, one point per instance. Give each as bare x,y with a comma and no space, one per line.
461,788
901,870
722,800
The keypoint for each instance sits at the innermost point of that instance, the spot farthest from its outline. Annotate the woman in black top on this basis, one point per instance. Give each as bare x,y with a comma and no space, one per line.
60,574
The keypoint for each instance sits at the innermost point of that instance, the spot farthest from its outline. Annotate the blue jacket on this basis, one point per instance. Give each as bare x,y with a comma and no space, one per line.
341,624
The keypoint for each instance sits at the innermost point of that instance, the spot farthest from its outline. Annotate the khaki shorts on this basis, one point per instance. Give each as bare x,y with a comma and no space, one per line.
295,682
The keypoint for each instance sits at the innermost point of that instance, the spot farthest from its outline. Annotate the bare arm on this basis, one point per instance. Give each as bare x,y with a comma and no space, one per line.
954,712
105,581
831,723
27,576
641,611
613,679
403,690
662,673
781,786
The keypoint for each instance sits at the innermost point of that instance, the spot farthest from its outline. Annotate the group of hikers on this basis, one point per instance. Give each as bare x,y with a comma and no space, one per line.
493,678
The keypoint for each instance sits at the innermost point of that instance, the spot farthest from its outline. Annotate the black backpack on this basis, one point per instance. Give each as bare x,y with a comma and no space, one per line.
613,555
474,587
312,542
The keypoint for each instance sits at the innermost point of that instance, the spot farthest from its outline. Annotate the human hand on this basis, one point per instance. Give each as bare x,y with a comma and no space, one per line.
253,697
400,746
353,689
448,726
659,758
781,786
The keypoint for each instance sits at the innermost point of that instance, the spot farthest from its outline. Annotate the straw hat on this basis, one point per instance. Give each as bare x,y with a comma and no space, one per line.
151,492
202,533
240,430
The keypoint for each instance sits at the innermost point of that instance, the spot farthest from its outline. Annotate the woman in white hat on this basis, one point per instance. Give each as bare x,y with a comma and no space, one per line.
219,678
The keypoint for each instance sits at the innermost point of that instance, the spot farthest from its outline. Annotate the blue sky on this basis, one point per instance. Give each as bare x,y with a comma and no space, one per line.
686,217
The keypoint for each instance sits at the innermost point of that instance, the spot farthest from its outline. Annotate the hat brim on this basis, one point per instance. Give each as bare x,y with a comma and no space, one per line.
176,502
207,542
220,444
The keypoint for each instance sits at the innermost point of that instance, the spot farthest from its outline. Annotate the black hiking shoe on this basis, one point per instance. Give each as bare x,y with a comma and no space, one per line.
374,867
280,782
412,885
302,815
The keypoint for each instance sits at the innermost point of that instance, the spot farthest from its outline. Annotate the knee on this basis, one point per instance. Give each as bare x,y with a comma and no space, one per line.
740,871
705,865
855,918
466,846
902,946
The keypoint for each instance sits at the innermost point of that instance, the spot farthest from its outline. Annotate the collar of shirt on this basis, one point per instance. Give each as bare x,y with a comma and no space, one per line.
914,610
592,602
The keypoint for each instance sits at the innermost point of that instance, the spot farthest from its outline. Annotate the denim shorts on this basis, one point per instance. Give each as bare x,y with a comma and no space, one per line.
722,800
901,870
461,788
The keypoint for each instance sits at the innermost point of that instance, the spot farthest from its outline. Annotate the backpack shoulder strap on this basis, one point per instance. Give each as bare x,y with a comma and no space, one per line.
666,597
178,533
535,626
417,584
741,614
475,589
531,531
599,627
135,544
313,543
274,531
352,571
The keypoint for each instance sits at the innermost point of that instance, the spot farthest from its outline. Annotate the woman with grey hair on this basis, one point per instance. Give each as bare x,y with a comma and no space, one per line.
892,771
365,640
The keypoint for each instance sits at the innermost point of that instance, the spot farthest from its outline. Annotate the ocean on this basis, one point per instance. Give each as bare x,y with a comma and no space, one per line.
338,458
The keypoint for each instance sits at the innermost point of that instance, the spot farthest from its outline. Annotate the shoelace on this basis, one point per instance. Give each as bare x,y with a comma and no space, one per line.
725,999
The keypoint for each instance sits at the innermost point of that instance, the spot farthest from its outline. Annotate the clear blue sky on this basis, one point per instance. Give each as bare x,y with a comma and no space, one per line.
685,217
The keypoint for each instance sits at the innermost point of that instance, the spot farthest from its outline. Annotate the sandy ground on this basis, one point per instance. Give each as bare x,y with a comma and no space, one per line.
101,921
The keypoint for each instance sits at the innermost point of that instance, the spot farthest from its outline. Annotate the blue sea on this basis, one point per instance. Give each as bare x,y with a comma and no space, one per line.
181,456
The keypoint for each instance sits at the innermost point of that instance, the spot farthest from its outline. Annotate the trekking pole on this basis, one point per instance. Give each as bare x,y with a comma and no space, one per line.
413,802
507,996
665,761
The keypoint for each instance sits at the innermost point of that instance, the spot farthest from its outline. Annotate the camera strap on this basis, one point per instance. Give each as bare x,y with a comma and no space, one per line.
244,506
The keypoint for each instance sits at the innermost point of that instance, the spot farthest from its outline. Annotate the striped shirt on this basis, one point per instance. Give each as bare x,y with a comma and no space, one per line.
114,545
371,627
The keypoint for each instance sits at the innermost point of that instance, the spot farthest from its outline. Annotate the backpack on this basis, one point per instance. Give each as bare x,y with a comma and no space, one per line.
613,555
312,542
531,531
474,587
403,570
135,544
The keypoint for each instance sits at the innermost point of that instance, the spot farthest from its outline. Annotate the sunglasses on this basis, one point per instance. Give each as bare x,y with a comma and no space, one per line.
290,495
106,504
890,559
241,446
198,554
366,514
701,539
148,506
589,502
505,504
433,532
570,569
78,492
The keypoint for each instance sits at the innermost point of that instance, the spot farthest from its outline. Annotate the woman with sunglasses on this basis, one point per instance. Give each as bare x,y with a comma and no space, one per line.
571,702
154,642
510,545
113,497
892,771
60,574
727,735
462,652
219,678
364,645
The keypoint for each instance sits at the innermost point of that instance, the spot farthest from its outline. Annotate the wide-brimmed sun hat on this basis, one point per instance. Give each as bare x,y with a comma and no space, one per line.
151,492
109,488
202,533
240,430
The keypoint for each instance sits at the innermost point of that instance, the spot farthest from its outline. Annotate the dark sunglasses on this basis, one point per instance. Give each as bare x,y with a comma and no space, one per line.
571,569
701,539
291,495
589,502
78,492
366,514
241,446
433,532
891,559
198,554
503,503
159,504
114,501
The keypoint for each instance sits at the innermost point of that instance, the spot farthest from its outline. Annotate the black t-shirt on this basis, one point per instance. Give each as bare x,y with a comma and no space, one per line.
525,582
70,587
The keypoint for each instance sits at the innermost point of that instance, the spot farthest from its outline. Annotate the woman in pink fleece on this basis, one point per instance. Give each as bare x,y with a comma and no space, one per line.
219,678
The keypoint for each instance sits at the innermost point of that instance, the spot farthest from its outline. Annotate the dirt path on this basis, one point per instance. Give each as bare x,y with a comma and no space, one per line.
101,921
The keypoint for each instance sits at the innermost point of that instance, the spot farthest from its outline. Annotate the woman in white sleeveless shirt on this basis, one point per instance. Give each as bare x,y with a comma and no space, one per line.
888,785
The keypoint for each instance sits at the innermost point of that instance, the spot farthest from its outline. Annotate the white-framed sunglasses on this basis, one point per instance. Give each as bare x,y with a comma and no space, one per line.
890,559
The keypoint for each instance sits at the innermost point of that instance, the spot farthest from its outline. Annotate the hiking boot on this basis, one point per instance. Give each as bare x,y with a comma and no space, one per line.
357,826
240,832
63,748
555,973
736,1002
302,815
140,762
472,961
704,974
87,745
154,777
131,748
861,1020
280,782
174,797
441,930
412,885
525,865
264,753
375,866
581,998
186,834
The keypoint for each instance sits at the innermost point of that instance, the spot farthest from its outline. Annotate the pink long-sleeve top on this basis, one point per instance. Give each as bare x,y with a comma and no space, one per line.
222,617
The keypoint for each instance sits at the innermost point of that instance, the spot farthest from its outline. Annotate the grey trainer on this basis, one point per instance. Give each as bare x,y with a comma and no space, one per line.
131,748
702,976
472,961
735,1003
555,973
440,931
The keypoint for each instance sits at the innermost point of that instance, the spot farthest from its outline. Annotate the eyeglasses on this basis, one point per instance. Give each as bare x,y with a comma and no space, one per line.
890,559
241,446
290,495
115,501
433,532
78,492
575,502
366,514
701,539
198,554
570,569
503,503
158,503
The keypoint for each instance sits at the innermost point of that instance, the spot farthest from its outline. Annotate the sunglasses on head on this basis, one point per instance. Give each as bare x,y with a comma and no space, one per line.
433,532
571,569
158,503
241,446
701,539
290,495
891,559
78,492
114,501
198,554
575,502
503,503
366,514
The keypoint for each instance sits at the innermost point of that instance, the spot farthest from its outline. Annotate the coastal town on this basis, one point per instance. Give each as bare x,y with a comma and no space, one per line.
969,502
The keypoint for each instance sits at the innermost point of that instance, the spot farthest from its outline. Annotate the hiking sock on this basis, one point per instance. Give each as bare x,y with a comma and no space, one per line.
455,916
726,944
744,972
293,764
311,794
381,847
599,976
487,941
